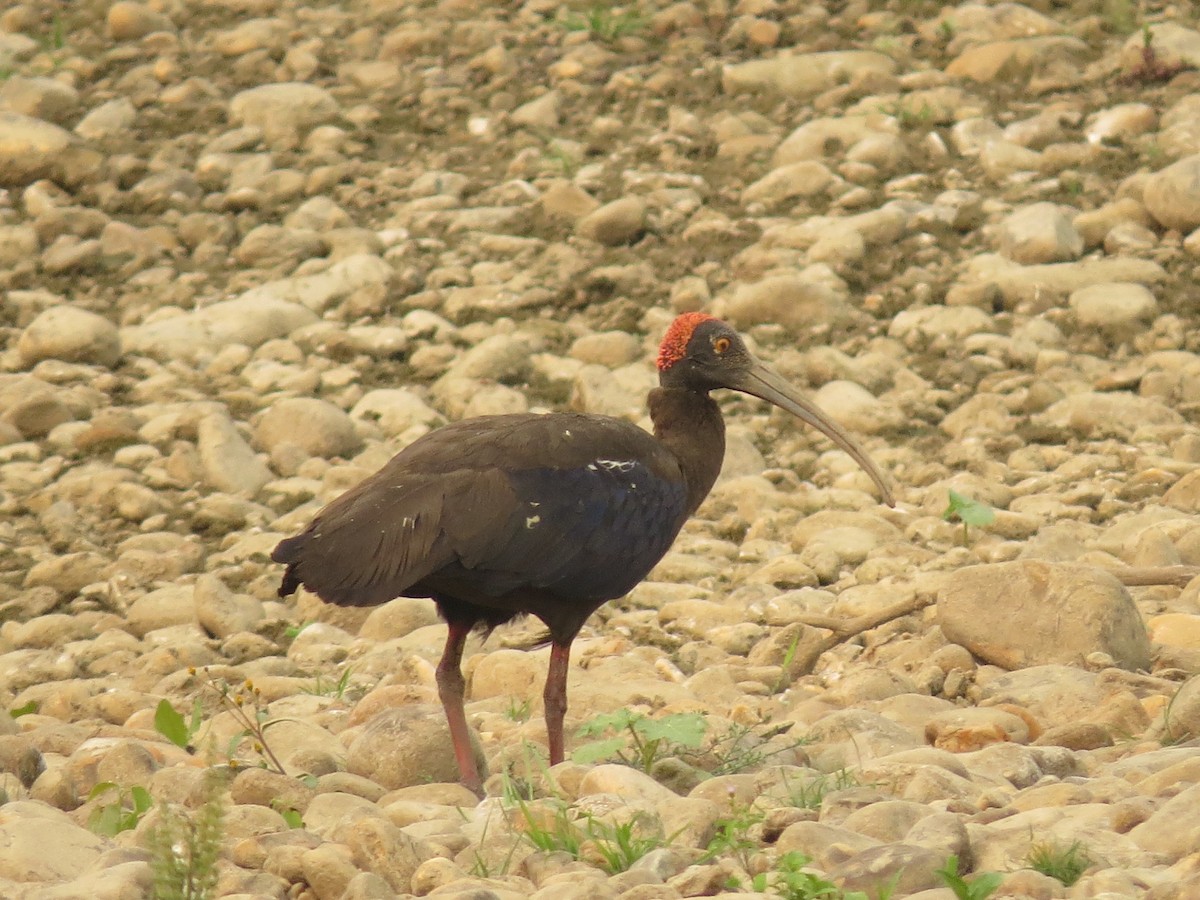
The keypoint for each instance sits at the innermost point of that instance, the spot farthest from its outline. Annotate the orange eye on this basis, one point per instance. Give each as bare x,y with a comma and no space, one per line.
721,344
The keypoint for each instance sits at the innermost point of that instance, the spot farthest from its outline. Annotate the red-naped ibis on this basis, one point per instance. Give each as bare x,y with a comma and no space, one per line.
553,514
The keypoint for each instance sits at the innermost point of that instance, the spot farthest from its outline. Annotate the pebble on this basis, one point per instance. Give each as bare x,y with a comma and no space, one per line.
987,295
1119,309
614,224
1039,233
1171,194
1071,613
72,335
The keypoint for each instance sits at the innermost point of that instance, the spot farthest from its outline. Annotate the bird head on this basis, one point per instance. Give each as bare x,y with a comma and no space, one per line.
700,353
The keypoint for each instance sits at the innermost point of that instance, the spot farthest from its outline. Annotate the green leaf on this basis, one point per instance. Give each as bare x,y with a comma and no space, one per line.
984,884
968,511
595,751
292,817
142,801
194,725
100,788
106,820
617,721
24,710
170,724
686,729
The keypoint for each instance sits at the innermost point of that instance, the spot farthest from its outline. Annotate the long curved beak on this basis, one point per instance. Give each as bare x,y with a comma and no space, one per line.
761,381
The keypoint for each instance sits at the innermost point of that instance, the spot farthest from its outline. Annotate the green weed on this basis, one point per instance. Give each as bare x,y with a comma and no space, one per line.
607,23
980,887
639,741
122,813
519,709
792,880
810,794
184,846
615,847
1063,863
171,724
321,687
969,512
24,709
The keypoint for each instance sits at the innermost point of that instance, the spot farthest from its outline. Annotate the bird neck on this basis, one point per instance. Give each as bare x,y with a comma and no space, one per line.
689,424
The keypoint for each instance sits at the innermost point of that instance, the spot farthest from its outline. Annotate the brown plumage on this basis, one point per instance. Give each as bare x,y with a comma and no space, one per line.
551,515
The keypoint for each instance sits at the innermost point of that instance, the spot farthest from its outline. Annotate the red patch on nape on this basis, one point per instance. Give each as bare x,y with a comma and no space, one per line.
675,341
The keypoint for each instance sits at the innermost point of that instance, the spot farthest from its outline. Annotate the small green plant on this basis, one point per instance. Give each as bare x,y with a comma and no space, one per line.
732,836
519,709
622,844
969,512
980,887
322,687
607,23
785,668
739,748
248,709
290,814
174,727
1151,68
184,846
1063,863
810,794
1169,735
791,880
293,631
122,813
617,847
25,709
639,740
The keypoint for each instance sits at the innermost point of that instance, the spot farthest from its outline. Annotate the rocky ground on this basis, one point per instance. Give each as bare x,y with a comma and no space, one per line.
250,248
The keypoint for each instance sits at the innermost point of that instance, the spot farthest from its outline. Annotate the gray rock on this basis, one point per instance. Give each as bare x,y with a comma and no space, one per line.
228,462
283,110
541,112
1039,233
33,149
909,868
805,75
28,827
1051,613
402,747
826,138
249,320
107,120
1121,310
1095,414
72,335
614,224
1172,195
39,97
398,618
128,21
221,612
807,178
316,426
396,411
383,849
794,301
1043,283
272,245
1174,45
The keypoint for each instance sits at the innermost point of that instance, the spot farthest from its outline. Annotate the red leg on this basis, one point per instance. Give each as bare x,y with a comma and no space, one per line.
450,688
555,697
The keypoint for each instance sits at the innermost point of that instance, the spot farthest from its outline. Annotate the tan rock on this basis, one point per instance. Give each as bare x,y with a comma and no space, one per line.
1031,613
